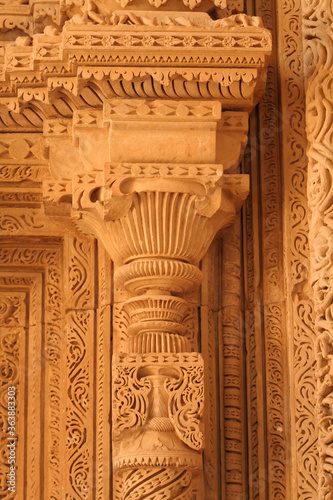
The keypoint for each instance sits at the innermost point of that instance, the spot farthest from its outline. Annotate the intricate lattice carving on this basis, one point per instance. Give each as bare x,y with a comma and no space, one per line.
130,393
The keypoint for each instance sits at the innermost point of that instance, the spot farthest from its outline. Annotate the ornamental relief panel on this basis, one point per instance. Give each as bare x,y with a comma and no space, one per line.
317,18
123,126
47,354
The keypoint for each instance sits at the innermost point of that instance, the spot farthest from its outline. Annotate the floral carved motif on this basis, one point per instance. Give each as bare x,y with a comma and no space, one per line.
317,26
12,330
130,403
186,405
300,303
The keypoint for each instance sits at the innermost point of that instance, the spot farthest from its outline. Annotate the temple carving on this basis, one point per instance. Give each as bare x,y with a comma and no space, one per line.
165,250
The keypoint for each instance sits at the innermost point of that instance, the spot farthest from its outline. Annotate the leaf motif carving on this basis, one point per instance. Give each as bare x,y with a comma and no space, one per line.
130,397
185,406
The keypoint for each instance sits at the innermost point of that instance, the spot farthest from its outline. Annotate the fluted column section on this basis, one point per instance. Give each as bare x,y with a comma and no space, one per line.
158,384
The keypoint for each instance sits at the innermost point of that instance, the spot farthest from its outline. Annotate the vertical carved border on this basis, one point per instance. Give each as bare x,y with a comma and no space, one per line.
80,402
222,345
253,329
271,332
13,362
232,342
80,379
318,51
303,451
210,315
103,378
282,123
23,255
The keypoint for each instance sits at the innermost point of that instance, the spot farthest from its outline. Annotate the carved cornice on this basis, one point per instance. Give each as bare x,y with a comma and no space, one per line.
176,56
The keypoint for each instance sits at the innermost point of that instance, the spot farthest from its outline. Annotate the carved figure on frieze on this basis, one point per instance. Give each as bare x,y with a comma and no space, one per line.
97,11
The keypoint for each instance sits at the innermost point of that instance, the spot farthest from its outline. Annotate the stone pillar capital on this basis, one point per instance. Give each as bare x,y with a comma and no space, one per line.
138,153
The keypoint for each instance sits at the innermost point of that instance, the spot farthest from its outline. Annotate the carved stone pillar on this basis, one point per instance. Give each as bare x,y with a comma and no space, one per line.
156,214
145,121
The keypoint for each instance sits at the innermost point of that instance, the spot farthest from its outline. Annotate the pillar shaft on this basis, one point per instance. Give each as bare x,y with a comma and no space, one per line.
157,215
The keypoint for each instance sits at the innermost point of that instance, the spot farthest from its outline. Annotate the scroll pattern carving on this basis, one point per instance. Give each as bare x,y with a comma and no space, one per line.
18,223
80,329
48,259
130,403
318,50
12,330
186,405
18,173
80,273
81,336
299,301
